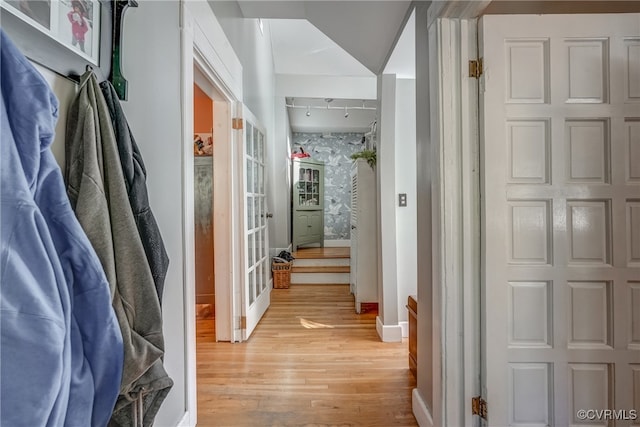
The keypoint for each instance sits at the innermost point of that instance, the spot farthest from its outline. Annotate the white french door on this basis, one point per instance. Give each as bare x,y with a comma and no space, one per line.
257,288
561,218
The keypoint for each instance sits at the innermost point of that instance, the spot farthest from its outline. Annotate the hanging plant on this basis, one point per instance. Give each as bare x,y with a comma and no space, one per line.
368,155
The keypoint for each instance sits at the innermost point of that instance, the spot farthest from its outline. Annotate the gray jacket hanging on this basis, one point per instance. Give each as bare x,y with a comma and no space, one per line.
135,177
98,194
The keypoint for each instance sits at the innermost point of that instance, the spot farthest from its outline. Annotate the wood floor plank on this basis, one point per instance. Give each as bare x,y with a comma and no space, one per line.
319,253
311,361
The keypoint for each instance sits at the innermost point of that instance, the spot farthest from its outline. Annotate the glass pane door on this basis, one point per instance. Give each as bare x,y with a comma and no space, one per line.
256,298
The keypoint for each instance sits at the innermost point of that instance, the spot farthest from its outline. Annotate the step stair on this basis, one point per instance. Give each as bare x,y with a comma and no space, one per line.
321,266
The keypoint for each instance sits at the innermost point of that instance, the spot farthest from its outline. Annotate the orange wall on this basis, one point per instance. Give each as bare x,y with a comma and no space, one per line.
202,111
204,229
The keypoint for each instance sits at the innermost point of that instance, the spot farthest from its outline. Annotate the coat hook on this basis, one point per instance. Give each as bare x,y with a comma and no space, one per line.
116,78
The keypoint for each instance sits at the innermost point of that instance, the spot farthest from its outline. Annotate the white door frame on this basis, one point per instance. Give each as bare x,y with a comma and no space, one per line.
222,200
455,216
261,304
221,67
455,213
456,304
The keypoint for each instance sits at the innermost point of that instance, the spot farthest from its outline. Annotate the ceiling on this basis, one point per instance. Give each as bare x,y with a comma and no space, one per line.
301,48
367,30
336,38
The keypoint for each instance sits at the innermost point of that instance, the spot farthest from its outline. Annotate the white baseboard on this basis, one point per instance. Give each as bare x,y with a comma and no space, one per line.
337,243
186,421
404,325
388,333
420,411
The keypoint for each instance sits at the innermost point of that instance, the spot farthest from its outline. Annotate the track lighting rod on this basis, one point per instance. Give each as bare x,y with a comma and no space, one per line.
317,107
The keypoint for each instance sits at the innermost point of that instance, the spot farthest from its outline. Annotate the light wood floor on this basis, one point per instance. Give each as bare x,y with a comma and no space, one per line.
312,361
328,252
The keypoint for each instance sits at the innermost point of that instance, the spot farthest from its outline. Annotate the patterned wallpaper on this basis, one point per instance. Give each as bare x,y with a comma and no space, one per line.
335,150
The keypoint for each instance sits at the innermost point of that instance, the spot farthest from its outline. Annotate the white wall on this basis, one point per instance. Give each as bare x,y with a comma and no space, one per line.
397,174
425,344
253,48
402,63
254,51
405,182
280,179
258,72
151,58
65,91
387,322
317,86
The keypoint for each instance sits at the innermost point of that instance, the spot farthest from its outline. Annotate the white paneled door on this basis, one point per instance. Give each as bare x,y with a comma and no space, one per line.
561,219
257,289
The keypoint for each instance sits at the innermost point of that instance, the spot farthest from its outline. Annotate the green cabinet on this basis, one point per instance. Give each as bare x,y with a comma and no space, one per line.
307,202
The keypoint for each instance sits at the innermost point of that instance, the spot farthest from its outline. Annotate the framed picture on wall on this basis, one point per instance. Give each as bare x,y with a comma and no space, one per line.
62,35
203,144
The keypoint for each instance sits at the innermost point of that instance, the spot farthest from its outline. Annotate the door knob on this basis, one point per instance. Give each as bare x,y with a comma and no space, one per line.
269,215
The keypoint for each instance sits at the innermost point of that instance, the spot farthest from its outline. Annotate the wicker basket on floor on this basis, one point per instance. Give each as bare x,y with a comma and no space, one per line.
281,274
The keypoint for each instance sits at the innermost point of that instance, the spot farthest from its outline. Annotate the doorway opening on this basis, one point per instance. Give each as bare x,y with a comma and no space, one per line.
212,139
203,113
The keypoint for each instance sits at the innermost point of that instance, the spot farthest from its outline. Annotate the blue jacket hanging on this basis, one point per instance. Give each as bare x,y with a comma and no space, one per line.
61,348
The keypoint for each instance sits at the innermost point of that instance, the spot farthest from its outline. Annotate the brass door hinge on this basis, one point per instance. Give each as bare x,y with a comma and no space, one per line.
479,407
475,68
237,123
